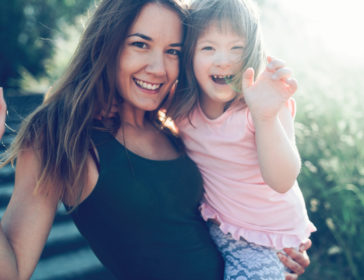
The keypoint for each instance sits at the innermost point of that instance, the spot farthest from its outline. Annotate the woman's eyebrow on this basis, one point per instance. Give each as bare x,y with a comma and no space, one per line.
147,38
176,45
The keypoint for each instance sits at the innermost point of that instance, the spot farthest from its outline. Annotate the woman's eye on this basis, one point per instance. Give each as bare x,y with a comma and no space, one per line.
140,45
207,48
174,52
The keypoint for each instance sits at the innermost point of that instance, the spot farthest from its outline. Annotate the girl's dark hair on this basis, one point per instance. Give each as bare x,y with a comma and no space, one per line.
59,129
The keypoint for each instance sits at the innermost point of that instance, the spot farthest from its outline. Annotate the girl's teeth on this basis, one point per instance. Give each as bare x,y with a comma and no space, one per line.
222,76
222,79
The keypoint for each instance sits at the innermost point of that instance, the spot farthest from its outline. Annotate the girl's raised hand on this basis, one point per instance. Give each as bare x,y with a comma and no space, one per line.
271,90
2,112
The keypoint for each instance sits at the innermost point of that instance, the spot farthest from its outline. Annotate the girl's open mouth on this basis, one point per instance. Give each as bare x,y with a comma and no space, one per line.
222,79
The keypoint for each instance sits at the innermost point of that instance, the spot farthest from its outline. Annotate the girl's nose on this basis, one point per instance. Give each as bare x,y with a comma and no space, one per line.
222,59
156,64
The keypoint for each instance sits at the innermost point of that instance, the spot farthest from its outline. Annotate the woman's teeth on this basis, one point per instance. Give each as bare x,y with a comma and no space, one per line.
146,85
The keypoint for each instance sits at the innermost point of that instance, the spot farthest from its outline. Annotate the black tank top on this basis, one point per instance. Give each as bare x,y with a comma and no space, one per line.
142,219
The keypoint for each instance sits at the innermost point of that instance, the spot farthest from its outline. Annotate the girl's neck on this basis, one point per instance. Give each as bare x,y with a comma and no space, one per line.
212,109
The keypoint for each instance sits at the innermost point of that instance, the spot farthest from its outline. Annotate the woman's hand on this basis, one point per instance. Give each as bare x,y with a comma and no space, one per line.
296,260
2,112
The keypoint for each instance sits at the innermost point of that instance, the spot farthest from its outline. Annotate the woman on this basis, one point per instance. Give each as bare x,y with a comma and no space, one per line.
132,192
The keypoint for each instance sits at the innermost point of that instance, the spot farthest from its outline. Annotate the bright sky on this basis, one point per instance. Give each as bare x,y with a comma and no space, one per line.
335,26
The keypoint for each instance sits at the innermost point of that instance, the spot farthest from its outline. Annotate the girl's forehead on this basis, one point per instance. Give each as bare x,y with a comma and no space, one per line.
225,27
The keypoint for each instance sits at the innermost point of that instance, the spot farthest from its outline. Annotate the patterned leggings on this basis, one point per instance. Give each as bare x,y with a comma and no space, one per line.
244,260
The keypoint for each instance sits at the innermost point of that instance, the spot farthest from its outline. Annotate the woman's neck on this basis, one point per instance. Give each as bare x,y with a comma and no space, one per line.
133,116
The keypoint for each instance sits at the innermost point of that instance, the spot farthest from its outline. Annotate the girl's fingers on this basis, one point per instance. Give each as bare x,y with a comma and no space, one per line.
282,73
291,85
274,64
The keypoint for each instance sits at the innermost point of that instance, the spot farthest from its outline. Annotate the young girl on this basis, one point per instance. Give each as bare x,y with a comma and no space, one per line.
237,125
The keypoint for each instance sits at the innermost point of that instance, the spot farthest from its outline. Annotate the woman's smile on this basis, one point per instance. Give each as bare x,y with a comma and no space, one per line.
152,87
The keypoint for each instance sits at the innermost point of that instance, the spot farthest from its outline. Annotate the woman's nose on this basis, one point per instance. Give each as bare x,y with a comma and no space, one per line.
156,64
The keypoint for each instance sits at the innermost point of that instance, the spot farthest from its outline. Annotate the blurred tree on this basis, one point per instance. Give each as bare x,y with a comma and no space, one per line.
27,28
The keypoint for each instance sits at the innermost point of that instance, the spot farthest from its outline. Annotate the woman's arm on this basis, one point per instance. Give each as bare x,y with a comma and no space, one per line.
27,221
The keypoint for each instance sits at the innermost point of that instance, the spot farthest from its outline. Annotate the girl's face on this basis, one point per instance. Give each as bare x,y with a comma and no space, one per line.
149,58
217,58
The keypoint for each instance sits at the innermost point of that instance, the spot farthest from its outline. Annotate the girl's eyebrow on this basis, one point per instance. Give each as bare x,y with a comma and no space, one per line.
212,41
147,38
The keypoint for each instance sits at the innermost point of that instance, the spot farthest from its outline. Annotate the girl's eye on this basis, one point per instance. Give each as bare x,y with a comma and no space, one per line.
237,48
174,52
140,45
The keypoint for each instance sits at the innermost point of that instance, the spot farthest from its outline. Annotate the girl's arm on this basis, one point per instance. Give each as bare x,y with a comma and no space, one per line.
25,226
274,130
278,156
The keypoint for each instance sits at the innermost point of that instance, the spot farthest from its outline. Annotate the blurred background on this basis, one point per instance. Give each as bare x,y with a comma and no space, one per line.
323,43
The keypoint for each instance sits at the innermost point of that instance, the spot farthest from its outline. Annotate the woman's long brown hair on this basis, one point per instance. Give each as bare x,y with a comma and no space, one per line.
59,129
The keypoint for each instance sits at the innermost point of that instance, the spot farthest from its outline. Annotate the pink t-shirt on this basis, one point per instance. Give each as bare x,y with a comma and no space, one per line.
235,194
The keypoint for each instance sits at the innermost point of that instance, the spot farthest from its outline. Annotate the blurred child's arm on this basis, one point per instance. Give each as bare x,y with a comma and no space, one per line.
274,130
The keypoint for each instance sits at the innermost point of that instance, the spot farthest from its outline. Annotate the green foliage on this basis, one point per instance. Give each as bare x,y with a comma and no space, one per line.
330,132
329,126
27,30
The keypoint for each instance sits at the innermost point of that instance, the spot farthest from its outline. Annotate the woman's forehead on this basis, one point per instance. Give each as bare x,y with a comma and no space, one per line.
156,19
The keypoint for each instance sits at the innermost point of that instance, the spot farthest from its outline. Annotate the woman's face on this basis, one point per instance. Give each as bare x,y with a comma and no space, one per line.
148,62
